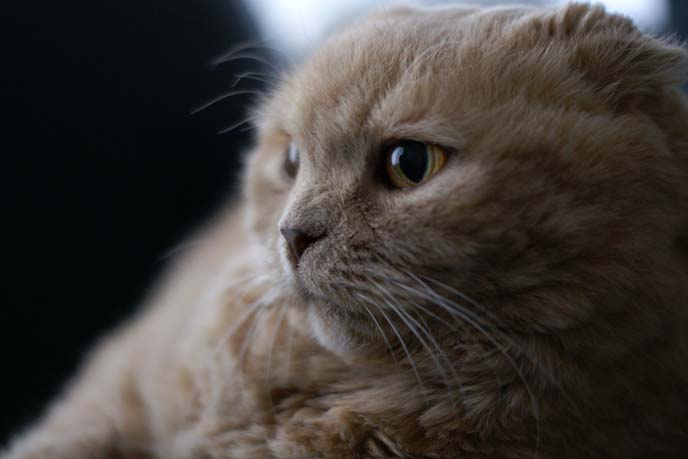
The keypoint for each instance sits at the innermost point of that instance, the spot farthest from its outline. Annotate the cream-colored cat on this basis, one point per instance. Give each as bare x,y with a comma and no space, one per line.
463,235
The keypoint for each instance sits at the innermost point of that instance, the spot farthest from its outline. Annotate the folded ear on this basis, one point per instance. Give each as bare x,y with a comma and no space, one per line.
608,51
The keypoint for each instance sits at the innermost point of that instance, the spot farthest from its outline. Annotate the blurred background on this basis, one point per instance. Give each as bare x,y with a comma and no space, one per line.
104,168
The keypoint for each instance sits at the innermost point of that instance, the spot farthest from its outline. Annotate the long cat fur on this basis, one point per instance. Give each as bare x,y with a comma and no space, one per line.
537,286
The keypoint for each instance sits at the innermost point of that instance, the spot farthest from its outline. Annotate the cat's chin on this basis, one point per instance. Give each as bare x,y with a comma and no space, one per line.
340,332
335,323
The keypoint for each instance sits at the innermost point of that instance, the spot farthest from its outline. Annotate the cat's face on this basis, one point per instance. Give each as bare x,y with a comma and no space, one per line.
539,180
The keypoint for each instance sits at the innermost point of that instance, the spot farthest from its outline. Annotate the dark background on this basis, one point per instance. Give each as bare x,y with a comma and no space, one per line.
103,170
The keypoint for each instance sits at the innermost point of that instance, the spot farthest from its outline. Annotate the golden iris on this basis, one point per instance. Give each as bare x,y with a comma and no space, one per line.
410,163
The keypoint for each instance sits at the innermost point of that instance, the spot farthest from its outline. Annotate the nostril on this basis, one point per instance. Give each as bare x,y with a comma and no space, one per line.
298,241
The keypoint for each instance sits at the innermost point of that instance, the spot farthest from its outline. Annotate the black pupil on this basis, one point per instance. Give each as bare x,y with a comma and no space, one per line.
413,160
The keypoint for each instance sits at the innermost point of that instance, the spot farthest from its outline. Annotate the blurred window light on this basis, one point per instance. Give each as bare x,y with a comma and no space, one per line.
294,26
652,15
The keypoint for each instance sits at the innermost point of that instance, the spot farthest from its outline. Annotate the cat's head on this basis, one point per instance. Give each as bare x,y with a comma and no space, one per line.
510,167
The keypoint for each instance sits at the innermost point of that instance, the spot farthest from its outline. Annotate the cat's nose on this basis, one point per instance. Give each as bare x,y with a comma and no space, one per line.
298,241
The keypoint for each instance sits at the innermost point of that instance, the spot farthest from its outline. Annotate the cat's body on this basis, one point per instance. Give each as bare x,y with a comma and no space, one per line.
530,300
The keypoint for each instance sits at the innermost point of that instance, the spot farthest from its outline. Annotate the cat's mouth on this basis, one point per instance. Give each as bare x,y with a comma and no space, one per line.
299,268
314,276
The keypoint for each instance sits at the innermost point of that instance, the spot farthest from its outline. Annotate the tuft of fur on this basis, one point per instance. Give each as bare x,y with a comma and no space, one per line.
530,300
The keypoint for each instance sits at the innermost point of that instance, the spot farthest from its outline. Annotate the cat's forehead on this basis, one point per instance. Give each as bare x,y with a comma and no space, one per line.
401,74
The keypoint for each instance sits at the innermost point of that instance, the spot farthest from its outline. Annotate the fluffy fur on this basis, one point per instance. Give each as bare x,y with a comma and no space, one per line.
531,300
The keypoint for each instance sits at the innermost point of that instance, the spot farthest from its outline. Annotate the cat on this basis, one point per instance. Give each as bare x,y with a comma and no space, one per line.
462,234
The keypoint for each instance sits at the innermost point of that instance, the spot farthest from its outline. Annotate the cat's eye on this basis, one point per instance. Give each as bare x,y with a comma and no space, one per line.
291,160
409,163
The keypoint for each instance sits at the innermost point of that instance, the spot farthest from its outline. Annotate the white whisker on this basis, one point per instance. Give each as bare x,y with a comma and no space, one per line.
224,96
290,343
276,330
377,324
248,121
412,362
256,76
470,319
239,295
413,326
247,56
254,44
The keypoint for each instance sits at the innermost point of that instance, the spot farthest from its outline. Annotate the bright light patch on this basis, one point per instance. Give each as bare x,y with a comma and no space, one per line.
650,15
294,26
